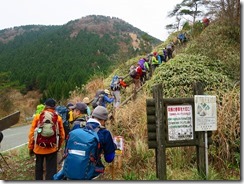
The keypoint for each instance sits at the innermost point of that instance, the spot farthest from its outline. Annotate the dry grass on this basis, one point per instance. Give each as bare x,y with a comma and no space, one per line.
227,137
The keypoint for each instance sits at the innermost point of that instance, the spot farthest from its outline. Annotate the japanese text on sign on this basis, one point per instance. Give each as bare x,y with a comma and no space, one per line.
180,124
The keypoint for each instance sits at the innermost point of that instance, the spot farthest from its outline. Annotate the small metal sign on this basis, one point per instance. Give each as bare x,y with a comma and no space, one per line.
180,123
205,113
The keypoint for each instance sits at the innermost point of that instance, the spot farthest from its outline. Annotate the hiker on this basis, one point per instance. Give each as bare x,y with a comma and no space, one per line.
79,115
155,62
141,63
86,100
165,54
45,143
102,98
116,84
170,49
136,73
65,113
182,37
147,68
205,22
79,166
39,109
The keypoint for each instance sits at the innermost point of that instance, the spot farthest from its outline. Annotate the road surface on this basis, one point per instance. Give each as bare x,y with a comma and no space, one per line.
14,137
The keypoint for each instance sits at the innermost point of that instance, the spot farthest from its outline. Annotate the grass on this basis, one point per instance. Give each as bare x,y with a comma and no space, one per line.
138,162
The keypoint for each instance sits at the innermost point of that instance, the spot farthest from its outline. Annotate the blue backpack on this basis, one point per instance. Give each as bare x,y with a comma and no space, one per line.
114,85
81,155
63,112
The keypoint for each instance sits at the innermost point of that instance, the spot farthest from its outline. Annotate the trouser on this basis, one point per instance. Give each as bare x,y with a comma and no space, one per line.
116,102
51,166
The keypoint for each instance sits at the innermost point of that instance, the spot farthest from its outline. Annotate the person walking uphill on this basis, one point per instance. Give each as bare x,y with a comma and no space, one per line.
79,115
116,84
45,138
93,139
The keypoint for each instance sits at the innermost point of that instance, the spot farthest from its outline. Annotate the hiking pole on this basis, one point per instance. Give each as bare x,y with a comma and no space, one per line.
5,160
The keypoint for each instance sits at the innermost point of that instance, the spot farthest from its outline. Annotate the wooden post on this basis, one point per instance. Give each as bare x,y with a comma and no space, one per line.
201,167
161,150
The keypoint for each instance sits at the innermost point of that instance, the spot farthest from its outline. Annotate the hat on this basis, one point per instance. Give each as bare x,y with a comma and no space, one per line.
69,105
50,102
86,100
80,106
100,112
107,91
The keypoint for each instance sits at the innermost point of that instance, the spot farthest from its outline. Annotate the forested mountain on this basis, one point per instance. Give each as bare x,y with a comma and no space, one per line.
55,59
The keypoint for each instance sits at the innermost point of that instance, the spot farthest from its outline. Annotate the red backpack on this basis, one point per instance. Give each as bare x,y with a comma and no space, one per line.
47,130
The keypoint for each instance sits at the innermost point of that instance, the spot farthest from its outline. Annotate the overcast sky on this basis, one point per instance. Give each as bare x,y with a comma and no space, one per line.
147,15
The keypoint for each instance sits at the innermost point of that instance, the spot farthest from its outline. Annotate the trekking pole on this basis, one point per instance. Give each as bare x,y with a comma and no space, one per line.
5,161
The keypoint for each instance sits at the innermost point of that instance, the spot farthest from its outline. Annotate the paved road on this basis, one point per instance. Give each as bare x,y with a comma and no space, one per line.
14,137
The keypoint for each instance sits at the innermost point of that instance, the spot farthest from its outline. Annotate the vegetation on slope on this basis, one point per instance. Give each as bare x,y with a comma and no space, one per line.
193,62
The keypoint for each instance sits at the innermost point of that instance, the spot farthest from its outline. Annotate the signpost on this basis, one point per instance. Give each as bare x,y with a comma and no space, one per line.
177,122
205,118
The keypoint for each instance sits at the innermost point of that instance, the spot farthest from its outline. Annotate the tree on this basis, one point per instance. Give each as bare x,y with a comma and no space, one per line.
185,9
227,10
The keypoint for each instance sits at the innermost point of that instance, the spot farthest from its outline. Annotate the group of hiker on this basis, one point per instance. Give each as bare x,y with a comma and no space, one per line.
85,141
80,127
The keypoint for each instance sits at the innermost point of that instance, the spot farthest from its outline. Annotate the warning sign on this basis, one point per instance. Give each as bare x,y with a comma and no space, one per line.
205,113
180,123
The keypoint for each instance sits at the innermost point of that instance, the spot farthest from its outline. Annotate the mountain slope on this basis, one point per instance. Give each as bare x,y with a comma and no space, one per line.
55,59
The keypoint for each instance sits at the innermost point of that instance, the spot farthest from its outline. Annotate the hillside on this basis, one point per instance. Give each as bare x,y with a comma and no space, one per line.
55,59
211,57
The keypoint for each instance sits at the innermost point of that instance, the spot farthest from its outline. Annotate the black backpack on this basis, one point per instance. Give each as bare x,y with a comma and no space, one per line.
98,99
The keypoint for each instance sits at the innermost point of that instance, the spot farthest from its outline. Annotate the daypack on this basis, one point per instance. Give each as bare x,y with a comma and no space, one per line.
98,99
133,72
141,63
81,155
114,85
63,112
47,130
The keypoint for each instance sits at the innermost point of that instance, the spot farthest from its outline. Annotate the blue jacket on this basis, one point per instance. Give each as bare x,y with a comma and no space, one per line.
107,144
106,99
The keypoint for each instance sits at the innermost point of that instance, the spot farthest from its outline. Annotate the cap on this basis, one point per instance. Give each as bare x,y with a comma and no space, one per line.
100,112
107,91
69,105
86,100
50,102
80,106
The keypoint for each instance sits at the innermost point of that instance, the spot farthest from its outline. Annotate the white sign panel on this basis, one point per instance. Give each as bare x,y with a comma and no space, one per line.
180,123
205,113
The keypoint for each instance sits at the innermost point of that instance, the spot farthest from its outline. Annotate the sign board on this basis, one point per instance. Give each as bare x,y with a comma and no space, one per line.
205,113
180,123
119,141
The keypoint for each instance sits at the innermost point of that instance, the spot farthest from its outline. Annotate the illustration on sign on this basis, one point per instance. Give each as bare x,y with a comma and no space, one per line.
206,113
180,123
118,140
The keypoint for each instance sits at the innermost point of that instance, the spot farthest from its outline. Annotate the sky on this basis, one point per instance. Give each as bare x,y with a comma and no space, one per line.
149,16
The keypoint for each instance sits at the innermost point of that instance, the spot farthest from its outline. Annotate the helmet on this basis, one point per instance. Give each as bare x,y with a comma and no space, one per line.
86,100
107,91
155,53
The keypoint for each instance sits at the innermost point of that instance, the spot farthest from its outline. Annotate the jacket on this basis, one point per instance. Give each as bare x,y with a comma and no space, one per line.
41,150
107,144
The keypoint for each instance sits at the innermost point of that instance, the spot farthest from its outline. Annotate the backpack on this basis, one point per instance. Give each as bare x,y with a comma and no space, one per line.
47,130
115,85
63,113
133,72
82,154
98,99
